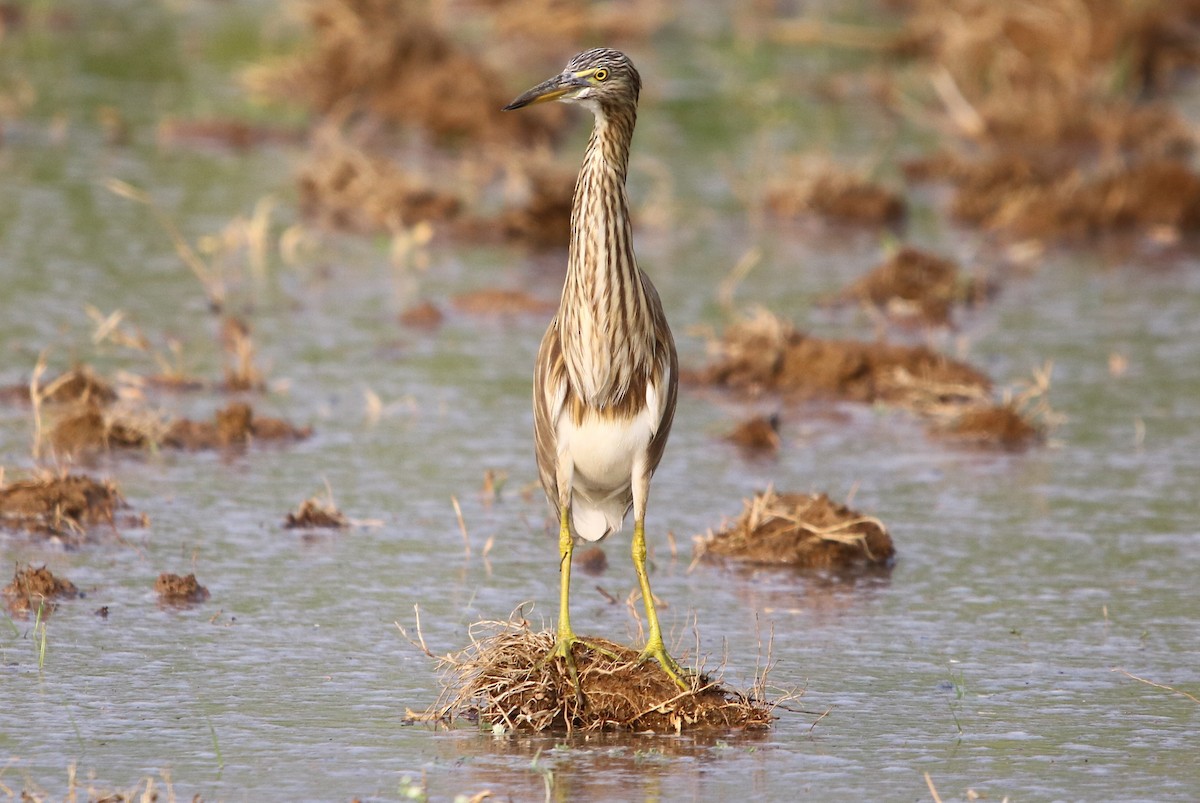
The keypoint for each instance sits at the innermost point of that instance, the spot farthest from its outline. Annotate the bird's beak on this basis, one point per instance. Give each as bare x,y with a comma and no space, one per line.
551,89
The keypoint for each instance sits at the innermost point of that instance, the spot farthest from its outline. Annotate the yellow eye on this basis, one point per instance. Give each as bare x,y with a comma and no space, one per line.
600,74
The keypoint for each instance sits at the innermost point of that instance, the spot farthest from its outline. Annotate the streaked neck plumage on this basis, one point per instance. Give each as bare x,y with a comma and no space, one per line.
603,298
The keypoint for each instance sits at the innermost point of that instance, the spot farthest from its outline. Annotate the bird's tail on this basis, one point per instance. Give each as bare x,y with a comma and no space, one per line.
594,519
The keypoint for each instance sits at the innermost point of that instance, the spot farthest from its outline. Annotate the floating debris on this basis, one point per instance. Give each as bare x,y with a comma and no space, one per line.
313,514
61,506
503,682
175,590
807,531
32,589
916,285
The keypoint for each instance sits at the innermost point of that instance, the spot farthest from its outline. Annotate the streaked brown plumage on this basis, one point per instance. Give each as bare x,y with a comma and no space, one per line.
607,372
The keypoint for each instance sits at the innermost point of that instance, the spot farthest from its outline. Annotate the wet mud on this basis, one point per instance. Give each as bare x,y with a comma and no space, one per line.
502,681
807,531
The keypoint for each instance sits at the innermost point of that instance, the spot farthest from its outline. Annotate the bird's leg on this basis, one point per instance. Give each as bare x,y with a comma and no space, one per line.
564,639
654,645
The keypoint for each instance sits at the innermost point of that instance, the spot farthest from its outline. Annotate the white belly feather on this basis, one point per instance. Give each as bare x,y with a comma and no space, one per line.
604,453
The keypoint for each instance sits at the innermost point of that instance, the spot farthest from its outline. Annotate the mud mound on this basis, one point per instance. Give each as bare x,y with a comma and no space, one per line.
765,354
313,514
64,506
837,195
175,590
916,285
87,426
801,530
502,681
758,435
32,589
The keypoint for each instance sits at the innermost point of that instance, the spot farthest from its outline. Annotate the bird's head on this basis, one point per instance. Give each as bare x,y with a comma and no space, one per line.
601,78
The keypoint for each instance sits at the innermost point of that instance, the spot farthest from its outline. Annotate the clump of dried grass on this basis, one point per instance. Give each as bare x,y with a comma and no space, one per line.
350,185
803,530
390,60
314,513
62,506
502,681
836,194
1059,97
762,354
916,285
31,588
174,589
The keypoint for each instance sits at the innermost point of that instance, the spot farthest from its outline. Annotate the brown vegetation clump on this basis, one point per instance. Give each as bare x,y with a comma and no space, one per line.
502,681
87,426
176,590
233,426
80,384
765,354
314,513
801,530
390,60
1000,425
423,315
33,588
916,285
837,195
501,302
344,186
544,220
241,373
62,506
1074,144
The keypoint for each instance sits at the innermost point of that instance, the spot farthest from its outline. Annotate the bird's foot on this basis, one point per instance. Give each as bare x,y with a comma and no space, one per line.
564,646
658,652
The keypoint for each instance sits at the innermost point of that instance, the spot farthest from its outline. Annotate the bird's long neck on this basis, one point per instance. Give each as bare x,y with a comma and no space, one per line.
604,312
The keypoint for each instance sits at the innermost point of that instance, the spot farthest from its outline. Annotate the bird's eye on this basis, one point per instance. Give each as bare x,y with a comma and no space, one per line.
600,74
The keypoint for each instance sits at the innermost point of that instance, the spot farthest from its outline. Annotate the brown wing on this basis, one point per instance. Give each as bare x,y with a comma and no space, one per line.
664,353
549,381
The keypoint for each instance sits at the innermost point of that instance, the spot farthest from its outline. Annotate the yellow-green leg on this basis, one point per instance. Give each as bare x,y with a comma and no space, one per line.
564,640
654,645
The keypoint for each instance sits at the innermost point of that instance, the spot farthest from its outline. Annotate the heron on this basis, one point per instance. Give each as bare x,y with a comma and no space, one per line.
607,372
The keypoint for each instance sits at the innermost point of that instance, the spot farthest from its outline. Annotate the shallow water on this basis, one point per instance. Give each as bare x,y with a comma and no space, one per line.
986,658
